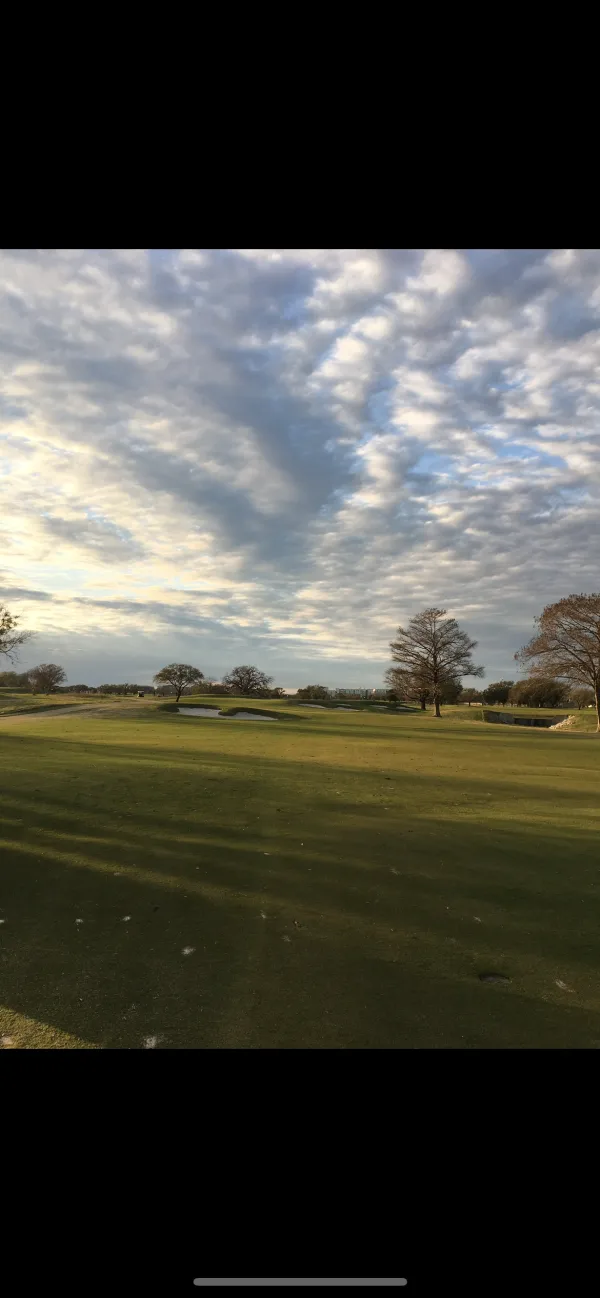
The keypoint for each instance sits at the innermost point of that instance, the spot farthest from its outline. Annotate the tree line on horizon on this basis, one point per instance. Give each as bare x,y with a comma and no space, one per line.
179,678
431,655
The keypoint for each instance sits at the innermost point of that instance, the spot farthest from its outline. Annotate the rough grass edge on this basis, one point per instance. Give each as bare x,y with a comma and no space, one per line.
40,707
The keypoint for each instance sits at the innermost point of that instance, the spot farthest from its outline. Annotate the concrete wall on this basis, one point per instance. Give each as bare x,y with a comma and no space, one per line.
506,719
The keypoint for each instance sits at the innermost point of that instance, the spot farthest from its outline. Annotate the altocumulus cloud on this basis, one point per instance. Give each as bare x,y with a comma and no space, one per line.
279,454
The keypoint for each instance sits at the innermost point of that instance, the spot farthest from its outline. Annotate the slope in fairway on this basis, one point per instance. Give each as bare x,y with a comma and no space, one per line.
338,879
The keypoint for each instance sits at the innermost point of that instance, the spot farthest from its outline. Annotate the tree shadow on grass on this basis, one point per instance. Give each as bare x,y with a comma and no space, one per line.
312,920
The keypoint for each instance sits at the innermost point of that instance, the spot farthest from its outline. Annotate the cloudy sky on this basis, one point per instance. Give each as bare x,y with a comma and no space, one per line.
278,455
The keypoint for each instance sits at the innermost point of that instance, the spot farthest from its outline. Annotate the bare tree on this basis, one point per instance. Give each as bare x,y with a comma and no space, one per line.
410,687
567,644
179,675
11,638
247,681
433,648
45,678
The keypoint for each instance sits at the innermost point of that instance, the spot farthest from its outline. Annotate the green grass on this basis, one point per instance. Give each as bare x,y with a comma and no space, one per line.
584,720
395,858
12,702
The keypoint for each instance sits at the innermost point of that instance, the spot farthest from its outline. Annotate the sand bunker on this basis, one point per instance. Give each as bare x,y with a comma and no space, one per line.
313,705
200,712
341,707
250,716
214,712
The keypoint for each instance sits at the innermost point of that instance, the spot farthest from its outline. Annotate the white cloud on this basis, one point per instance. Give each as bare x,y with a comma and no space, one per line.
279,454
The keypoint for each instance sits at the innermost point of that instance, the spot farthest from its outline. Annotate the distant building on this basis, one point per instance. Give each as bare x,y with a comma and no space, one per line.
352,693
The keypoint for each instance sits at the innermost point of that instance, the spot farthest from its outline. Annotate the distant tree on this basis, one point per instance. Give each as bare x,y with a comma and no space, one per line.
313,692
549,693
124,687
470,696
581,697
432,649
11,638
567,644
46,677
451,689
8,678
497,692
519,693
246,681
15,680
179,675
538,692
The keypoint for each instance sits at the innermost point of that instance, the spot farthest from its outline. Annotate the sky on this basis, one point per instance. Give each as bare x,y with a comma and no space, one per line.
277,456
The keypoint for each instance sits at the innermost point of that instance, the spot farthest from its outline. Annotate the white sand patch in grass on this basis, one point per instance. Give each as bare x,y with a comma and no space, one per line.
188,950
321,706
250,716
200,712
150,1043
